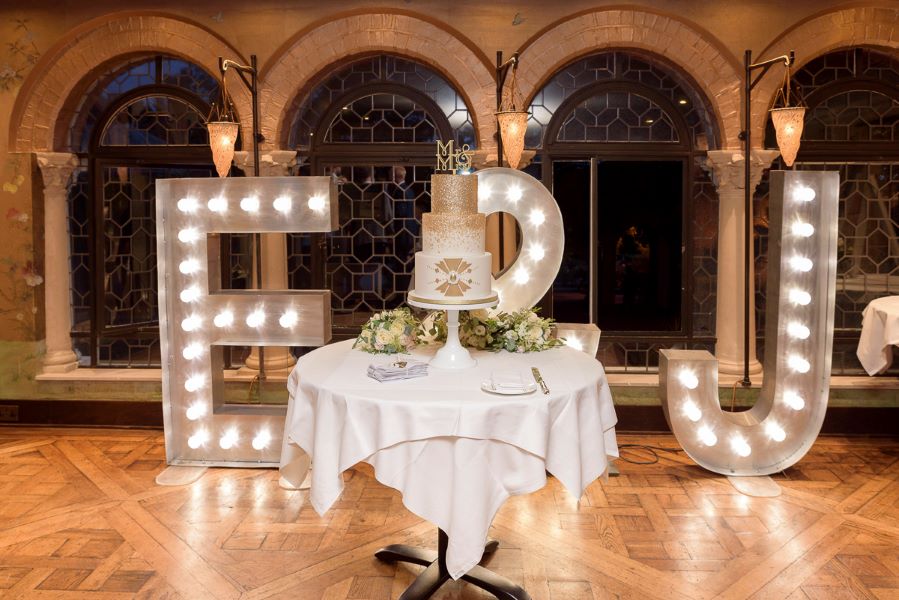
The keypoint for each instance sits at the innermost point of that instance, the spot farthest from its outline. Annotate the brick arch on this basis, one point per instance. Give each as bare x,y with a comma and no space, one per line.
819,34
694,51
64,68
317,48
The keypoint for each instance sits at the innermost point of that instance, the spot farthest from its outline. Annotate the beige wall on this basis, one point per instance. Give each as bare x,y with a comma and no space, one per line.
472,32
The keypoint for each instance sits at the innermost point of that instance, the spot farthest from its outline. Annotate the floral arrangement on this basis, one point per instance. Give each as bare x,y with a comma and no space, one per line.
389,332
521,331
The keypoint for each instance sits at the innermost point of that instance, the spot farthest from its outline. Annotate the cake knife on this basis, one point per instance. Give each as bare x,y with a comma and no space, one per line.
539,379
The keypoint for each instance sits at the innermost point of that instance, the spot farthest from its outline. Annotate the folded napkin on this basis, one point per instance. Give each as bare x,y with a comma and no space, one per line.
398,369
508,381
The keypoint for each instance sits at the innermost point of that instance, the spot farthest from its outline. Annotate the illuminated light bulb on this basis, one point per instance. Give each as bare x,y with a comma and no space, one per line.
228,440
282,204
188,205
740,446
707,436
522,276
537,217
775,431
794,400
262,440
288,319
798,330
195,411
798,364
573,342
198,439
189,266
250,204
194,383
800,297
192,351
223,319
802,229
804,194
190,294
484,192
514,194
217,204
692,411
255,318
188,236
317,203
801,264
191,323
536,252
688,379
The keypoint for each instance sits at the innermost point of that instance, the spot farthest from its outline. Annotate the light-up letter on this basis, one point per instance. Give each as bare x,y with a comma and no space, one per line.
198,318
527,200
785,420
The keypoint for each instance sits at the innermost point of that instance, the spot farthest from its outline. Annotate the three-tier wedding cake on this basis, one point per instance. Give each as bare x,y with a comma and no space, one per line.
452,267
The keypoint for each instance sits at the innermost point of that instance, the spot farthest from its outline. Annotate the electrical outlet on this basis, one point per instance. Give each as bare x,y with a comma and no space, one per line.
9,413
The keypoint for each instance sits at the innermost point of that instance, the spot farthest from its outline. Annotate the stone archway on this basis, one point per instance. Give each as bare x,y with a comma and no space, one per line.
696,52
321,45
76,57
817,35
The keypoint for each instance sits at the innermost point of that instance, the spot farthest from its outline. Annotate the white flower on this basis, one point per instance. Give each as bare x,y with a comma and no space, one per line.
480,330
383,338
532,317
397,328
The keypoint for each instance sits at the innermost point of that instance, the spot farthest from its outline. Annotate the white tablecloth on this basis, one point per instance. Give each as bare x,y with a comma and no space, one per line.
455,452
880,332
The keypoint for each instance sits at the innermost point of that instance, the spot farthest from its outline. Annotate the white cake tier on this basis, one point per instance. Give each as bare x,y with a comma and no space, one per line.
460,279
452,235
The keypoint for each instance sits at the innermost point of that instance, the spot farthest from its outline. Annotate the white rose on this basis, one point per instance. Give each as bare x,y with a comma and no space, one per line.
397,328
383,337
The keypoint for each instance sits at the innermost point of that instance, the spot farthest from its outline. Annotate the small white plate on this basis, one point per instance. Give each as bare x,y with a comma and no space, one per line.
529,388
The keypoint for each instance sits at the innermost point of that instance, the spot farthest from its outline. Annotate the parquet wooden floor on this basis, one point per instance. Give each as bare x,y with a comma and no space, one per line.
81,517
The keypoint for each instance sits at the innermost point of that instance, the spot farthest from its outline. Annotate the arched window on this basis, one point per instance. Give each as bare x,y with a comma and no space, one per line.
852,126
372,125
135,123
620,137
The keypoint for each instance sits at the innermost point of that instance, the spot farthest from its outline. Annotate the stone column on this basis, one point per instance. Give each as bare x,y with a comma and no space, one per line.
56,169
726,168
274,163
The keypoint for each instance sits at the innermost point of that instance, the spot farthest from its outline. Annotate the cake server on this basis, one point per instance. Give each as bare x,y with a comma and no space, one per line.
539,379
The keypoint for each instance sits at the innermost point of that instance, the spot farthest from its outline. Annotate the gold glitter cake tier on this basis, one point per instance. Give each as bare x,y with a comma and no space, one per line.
454,194
453,234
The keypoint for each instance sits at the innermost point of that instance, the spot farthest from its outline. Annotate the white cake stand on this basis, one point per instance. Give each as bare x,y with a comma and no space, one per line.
453,355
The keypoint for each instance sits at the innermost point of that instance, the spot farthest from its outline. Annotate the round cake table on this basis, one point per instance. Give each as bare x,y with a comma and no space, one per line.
880,332
454,451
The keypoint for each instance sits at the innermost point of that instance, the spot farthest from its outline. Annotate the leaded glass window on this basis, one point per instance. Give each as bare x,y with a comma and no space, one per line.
651,72
617,116
381,118
853,98
616,110
136,123
311,109
156,121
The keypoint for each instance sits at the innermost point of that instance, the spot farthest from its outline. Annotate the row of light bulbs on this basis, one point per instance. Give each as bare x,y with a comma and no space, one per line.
795,329
288,320
229,439
250,204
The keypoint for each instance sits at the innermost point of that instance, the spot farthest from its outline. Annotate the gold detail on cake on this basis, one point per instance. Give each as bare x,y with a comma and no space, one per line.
450,283
449,159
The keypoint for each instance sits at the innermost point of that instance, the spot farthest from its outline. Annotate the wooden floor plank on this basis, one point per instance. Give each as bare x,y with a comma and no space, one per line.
80,516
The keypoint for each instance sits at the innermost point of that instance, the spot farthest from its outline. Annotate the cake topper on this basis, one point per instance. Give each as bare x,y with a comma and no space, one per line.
453,161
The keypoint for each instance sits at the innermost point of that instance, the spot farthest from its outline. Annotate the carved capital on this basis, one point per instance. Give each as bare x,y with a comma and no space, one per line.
726,167
272,163
56,168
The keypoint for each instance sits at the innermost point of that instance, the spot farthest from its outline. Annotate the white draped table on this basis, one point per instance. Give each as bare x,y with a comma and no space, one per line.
455,452
880,332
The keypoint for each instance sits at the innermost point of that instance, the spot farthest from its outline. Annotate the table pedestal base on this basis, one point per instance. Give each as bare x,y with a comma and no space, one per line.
435,575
